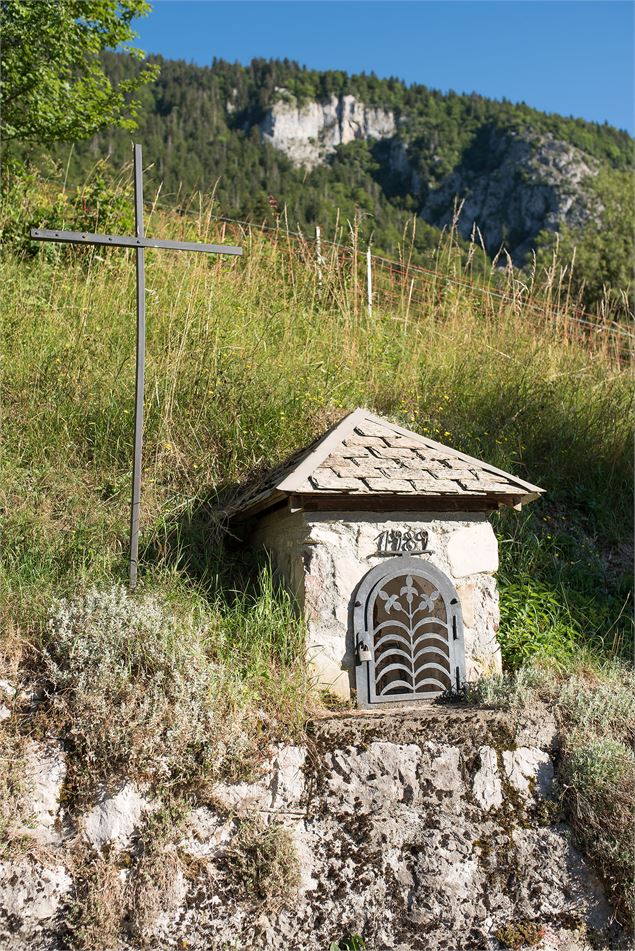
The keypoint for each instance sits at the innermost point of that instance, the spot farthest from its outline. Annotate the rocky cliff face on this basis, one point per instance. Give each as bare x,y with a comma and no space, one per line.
432,830
309,133
512,186
526,185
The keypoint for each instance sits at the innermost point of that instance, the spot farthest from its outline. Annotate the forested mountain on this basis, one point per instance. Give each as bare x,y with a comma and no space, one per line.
274,135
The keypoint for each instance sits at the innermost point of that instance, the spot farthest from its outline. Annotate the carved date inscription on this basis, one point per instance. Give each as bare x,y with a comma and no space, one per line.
396,541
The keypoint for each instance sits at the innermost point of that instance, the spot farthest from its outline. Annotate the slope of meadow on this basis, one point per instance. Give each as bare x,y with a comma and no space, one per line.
246,361
438,146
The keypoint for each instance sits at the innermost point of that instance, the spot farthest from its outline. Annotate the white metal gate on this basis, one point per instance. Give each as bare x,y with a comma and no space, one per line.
408,631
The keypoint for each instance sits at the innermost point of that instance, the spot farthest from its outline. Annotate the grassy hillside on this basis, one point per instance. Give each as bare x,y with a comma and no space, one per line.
247,360
200,130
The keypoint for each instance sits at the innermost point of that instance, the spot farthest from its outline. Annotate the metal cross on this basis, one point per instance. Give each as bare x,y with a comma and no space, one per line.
140,243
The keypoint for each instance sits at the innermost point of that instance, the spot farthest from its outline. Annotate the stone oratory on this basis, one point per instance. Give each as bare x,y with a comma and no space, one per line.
383,538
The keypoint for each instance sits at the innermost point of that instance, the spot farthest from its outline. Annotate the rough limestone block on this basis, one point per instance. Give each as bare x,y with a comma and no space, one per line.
32,892
443,768
486,785
287,783
208,834
46,770
372,780
279,788
466,597
473,550
114,820
330,664
243,798
529,770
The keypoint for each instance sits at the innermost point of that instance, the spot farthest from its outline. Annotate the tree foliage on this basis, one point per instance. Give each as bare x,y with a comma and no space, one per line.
200,132
602,252
53,85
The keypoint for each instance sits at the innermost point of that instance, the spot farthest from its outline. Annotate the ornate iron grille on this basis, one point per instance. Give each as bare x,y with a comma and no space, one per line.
409,633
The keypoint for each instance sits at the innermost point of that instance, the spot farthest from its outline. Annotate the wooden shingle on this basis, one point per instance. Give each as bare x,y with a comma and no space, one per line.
366,456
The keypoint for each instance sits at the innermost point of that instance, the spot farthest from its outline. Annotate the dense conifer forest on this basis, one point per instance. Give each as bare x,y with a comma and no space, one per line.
200,127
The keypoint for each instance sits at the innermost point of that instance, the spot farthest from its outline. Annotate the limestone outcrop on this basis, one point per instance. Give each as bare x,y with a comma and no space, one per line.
309,132
512,185
428,829
527,185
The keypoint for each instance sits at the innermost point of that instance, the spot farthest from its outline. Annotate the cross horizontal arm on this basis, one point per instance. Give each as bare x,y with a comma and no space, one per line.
123,241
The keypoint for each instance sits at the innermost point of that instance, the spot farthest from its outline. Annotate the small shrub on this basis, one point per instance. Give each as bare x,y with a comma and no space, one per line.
95,914
26,204
132,690
153,887
264,861
119,893
599,700
598,783
15,814
595,705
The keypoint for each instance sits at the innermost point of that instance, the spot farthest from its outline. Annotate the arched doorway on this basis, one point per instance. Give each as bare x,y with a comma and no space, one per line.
408,630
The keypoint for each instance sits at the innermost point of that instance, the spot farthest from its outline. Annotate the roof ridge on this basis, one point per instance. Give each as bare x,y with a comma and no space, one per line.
336,434
373,464
432,444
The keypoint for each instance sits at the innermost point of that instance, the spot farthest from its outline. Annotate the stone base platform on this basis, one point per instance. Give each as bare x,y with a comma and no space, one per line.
427,830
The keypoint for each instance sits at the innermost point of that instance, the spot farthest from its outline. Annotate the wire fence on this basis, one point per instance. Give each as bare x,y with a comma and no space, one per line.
357,278
352,276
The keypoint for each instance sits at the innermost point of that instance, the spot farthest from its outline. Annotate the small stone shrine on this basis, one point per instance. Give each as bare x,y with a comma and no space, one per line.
383,538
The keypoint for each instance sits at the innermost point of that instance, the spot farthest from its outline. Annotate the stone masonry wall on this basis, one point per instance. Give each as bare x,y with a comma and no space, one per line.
324,556
426,830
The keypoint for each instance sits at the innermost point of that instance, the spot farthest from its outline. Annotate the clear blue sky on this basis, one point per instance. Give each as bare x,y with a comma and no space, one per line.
574,57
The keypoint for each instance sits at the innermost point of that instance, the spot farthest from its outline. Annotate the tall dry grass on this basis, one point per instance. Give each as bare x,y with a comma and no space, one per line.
248,358
246,361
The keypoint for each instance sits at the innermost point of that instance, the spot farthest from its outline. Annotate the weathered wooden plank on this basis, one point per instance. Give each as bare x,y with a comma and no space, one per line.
402,442
367,428
364,471
385,452
363,442
438,486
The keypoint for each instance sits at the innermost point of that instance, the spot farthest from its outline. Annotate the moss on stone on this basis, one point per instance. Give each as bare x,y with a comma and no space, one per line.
520,934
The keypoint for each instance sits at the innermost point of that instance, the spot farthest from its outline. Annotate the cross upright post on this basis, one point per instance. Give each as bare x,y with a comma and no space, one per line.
139,242
135,507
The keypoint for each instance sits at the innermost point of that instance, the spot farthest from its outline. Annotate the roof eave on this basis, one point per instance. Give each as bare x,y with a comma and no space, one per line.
340,501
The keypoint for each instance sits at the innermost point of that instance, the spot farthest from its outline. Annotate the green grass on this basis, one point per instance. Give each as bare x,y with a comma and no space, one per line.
246,361
264,864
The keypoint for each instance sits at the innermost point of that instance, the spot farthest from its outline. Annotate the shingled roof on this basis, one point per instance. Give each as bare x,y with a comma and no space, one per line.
366,459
